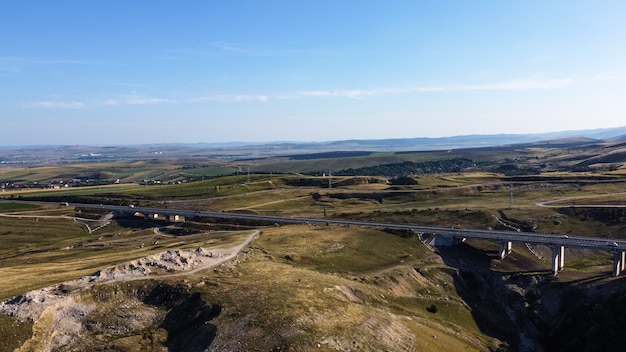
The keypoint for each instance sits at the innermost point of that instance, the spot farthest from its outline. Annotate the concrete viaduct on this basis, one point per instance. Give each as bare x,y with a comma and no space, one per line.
443,235
557,243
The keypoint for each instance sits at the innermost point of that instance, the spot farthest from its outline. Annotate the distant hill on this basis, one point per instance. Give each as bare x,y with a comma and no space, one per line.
29,155
620,138
477,140
429,143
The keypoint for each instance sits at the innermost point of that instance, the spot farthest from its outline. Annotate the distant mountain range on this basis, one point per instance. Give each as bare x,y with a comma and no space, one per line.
426,143
26,155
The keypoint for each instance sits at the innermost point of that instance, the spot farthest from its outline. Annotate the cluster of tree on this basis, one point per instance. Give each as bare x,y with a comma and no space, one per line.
305,182
510,169
403,181
410,168
330,155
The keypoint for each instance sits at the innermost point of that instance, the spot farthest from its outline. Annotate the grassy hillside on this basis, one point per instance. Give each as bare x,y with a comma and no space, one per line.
320,287
298,286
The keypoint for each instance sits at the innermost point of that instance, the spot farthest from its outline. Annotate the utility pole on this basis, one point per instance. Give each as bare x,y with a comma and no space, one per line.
330,186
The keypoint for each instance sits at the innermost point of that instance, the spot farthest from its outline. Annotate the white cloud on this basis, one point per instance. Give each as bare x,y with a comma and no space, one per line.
502,86
16,63
112,102
538,58
517,85
127,100
620,76
57,104
353,93
234,48
224,48
232,98
511,85
138,100
429,89
9,64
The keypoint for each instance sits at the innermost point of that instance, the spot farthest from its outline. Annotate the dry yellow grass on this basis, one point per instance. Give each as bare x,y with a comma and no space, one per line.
293,300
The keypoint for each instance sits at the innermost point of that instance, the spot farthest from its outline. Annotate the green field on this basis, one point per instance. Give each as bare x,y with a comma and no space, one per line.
8,207
304,287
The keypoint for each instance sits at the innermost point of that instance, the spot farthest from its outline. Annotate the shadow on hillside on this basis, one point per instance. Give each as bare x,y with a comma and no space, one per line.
532,309
484,291
138,224
188,320
593,317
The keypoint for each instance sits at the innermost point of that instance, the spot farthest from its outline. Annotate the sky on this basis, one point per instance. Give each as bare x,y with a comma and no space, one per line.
137,72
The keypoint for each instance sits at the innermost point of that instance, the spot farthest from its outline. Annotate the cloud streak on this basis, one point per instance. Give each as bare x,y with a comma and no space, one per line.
136,100
17,63
230,49
359,94
518,85
232,98
539,58
619,76
57,104
511,85
352,93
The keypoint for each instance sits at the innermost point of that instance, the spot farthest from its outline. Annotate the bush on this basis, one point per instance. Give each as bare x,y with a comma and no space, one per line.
433,308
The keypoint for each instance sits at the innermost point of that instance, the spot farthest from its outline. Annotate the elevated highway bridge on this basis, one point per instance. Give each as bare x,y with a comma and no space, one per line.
557,243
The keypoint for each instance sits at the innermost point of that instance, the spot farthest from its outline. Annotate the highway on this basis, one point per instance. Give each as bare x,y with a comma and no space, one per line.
596,243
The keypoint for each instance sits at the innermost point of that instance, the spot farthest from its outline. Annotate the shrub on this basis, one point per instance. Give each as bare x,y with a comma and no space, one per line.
432,308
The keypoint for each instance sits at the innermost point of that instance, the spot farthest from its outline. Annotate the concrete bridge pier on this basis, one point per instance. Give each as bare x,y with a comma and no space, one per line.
175,218
154,216
618,262
505,249
558,259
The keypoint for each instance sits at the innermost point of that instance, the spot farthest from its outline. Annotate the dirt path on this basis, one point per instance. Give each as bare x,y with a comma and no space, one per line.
564,202
14,215
102,222
169,263
179,262
31,305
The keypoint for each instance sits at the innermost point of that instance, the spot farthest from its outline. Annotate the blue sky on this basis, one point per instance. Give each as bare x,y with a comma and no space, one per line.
131,72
